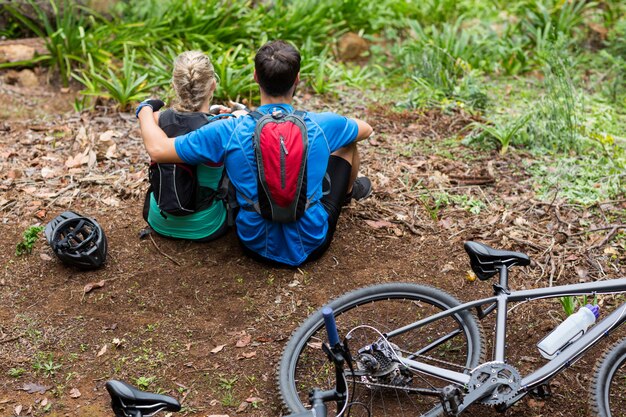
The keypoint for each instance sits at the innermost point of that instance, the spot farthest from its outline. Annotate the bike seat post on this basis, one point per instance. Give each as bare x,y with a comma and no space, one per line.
504,277
501,291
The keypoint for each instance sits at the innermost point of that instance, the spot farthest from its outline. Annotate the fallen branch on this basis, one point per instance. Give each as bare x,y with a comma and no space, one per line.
599,229
11,339
607,237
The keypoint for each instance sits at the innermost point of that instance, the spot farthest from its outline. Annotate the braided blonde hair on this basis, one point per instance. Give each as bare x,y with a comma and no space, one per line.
193,80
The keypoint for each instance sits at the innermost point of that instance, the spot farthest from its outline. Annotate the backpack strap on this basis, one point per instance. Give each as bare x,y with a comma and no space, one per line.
255,115
217,117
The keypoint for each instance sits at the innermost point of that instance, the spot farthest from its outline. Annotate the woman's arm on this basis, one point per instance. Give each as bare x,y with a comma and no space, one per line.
159,146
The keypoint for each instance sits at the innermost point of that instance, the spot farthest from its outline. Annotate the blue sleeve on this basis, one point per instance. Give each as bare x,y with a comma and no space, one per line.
205,144
339,130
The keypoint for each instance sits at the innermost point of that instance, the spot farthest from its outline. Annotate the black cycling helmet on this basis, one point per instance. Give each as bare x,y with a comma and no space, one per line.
77,240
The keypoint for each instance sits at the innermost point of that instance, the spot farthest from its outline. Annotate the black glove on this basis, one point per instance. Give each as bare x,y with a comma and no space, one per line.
154,103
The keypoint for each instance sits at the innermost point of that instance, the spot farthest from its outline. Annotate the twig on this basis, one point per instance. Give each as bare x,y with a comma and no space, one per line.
163,253
599,229
606,238
10,339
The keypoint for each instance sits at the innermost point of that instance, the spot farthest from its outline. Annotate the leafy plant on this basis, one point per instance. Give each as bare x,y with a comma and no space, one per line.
125,88
46,365
144,382
571,303
234,73
29,238
227,385
504,133
556,121
553,20
16,372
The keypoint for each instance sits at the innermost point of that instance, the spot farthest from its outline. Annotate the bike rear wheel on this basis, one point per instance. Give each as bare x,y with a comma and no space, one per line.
609,385
455,343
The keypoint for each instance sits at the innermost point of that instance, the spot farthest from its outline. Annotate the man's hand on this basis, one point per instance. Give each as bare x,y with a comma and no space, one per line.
154,103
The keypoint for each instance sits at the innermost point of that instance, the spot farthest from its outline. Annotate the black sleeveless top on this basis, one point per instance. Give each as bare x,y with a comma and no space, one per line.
175,123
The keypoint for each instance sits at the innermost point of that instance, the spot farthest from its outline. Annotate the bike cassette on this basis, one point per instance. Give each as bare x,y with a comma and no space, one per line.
503,382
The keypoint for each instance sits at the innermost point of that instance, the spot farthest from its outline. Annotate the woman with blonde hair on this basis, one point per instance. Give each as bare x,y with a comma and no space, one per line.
193,82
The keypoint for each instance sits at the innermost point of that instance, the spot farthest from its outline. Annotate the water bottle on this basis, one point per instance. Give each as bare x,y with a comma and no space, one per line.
571,329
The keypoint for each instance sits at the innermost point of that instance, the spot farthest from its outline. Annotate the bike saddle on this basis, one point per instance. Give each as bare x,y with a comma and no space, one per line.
485,261
128,401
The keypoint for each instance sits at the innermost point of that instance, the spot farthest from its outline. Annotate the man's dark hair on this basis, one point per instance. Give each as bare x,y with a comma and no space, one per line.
277,65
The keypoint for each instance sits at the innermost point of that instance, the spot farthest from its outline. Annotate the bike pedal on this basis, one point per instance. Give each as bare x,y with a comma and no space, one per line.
541,392
451,398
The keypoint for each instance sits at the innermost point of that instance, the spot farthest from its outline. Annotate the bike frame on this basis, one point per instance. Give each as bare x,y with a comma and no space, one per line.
503,296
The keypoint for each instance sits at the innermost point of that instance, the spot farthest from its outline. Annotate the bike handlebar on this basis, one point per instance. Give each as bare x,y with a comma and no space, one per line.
331,326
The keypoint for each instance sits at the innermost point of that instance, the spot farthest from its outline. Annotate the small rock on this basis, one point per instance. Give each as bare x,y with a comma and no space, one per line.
16,52
15,173
351,46
27,78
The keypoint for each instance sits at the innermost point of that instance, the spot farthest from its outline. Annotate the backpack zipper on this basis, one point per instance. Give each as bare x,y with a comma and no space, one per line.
283,155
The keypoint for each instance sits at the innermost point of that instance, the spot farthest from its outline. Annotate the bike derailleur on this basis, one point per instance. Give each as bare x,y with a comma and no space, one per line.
379,361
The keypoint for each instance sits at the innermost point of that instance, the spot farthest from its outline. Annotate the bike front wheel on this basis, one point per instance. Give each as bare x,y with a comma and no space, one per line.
609,385
382,387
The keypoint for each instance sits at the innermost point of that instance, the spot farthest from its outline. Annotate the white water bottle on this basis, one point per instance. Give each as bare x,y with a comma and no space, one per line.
571,329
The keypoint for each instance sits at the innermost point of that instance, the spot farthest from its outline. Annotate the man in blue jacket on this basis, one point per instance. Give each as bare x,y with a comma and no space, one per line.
332,165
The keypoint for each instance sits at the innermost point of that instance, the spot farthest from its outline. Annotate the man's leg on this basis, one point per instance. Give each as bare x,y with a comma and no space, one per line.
334,187
350,154
358,187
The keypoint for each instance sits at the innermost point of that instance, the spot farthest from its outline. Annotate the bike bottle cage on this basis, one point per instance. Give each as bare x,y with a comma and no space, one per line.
129,400
486,261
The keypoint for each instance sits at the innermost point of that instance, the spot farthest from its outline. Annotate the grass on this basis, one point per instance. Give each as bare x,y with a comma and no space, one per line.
567,90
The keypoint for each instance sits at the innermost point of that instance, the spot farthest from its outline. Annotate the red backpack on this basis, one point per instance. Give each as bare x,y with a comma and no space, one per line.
281,149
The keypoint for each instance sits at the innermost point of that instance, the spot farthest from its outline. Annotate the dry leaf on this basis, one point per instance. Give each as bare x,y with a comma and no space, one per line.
242,407
18,409
91,159
111,201
47,172
378,224
92,286
610,250
103,350
243,341
315,345
45,257
110,153
218,349
254,400
74,393
247,355
44,402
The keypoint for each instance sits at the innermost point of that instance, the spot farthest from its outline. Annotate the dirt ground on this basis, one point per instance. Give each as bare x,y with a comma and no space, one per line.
207,325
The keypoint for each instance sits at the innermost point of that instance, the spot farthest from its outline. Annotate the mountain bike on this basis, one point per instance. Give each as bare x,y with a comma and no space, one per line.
417,351
420,352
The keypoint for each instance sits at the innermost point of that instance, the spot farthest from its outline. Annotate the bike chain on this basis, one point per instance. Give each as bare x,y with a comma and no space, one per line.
378,384
436,360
